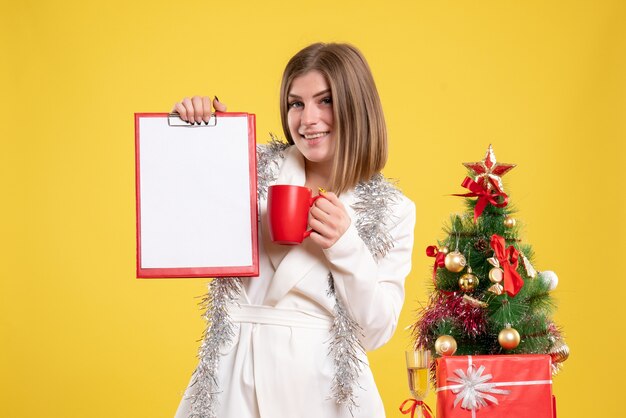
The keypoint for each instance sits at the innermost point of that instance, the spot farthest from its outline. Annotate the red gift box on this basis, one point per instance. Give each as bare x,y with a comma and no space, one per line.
507,386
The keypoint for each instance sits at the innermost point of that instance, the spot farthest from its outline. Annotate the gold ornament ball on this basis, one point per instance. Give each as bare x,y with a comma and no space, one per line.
445,345
509,222
468,282
509,338
443,249
455,262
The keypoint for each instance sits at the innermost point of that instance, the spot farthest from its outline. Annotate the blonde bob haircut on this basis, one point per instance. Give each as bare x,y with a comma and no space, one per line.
359,124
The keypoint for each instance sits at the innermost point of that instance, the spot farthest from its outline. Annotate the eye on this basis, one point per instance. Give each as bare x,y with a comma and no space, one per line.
327,100
295,104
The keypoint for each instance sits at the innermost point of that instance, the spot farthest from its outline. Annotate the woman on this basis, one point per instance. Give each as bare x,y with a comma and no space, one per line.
291,342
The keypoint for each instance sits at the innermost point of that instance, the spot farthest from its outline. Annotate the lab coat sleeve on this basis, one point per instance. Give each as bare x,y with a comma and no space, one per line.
373,289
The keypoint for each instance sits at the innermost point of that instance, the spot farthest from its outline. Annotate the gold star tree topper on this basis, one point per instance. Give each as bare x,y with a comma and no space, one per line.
488,171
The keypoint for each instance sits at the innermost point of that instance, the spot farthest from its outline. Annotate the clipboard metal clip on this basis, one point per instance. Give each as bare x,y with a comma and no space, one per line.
173,119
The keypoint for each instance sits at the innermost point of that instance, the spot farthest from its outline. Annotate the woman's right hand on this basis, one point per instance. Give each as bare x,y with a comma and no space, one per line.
198,108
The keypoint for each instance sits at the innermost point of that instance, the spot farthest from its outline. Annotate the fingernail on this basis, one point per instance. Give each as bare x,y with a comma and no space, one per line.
217,98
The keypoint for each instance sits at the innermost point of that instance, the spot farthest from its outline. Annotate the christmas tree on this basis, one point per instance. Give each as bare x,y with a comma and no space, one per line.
487,297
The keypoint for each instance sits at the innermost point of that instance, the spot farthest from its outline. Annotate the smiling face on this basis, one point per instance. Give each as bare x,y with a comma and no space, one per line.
310,118
330,109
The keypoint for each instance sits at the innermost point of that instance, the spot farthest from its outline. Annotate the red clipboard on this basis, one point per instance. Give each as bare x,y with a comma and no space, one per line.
196,191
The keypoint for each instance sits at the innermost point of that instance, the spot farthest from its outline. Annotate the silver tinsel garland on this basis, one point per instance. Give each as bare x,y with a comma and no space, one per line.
373,210
219,332
344,349
268,164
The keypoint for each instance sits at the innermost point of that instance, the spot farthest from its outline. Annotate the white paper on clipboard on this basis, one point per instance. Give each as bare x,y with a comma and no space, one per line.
196,196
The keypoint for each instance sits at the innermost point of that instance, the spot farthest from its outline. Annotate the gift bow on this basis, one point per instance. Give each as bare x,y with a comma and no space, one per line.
508,259
473,389
415,404
484,196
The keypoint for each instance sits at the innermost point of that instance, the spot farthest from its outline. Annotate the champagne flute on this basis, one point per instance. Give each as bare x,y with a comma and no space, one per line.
418,368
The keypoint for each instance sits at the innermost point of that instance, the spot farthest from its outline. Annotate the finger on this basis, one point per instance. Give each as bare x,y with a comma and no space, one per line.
320,215
180,109
189,110
331,197
197,108
326,206
219,106
319,240
322,229
206,106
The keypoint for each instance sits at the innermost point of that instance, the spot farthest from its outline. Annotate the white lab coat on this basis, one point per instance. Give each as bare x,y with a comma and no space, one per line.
278,365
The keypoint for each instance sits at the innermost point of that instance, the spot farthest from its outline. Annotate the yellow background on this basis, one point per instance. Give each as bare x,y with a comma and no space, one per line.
545,82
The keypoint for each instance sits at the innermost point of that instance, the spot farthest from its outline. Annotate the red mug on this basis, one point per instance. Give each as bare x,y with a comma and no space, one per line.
288,213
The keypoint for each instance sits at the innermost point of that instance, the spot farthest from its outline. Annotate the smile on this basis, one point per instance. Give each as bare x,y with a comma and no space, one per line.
315,135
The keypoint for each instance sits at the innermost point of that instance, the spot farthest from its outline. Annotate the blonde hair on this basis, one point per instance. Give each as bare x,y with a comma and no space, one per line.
359,124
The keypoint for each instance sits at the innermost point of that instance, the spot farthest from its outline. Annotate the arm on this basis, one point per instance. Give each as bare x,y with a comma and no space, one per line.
373,290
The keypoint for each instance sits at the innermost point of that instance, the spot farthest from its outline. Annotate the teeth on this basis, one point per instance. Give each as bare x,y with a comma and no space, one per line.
313,136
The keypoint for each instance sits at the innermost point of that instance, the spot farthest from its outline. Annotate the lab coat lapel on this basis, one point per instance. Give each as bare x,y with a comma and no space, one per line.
296,264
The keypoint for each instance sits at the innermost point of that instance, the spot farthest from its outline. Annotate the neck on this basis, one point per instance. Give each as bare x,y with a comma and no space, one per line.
317,175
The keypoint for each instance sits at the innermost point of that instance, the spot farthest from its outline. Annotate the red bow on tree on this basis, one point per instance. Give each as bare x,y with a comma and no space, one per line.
428,413
508,259
440,258
484,196
440,262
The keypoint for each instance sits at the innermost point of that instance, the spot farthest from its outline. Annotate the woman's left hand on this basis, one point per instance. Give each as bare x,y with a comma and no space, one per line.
329,220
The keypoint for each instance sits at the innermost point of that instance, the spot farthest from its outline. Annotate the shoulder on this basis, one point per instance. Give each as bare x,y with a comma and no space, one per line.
383,196
270,158
381,208
403,207
273,151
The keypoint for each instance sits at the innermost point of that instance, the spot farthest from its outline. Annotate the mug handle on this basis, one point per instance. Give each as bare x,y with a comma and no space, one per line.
313,199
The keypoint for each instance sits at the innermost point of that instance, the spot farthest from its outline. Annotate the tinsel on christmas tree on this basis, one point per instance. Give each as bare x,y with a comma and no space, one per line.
487,297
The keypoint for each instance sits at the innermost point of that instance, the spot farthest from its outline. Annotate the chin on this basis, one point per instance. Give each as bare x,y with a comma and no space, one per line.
316,155
318,159
315,152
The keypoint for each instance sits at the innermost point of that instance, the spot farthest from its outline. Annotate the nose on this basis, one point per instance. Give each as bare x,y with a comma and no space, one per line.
310,115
